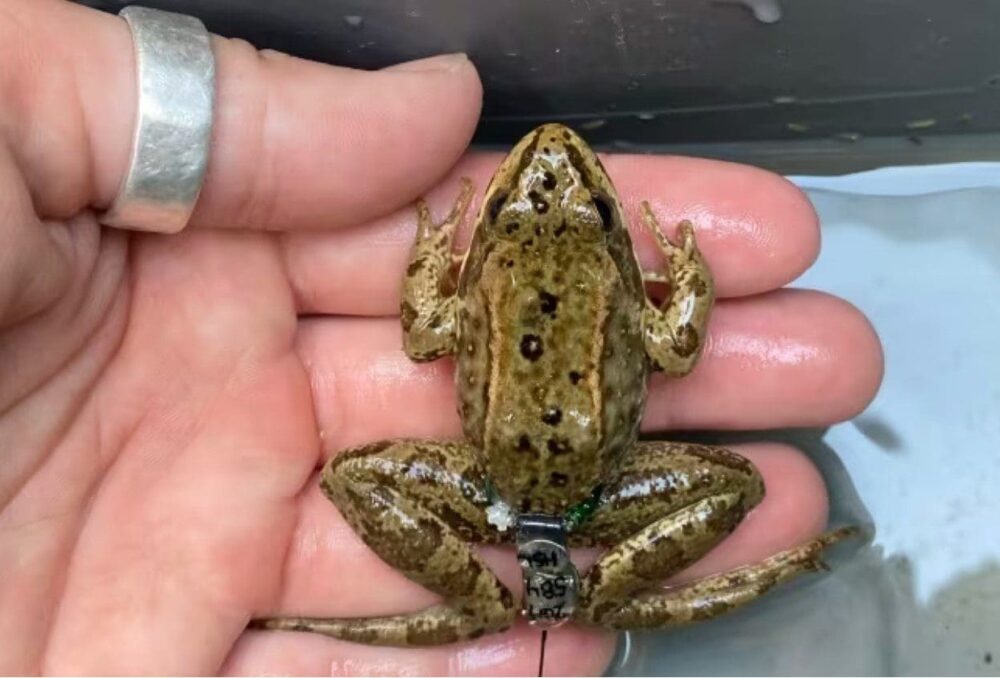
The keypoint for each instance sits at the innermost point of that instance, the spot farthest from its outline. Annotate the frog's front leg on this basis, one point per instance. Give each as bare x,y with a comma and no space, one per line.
428,306
669,504
418,505
675,332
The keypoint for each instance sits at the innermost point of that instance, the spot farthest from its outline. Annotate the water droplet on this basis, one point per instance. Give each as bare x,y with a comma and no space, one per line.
798,127
784,99
593,124
646,115
921,124
513,53
354,20
413,13
993,80
765,11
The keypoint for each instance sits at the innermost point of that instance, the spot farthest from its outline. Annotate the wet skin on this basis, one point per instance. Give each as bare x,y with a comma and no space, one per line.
554,338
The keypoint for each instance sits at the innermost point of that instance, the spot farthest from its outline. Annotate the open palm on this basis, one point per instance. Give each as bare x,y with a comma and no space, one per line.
167,400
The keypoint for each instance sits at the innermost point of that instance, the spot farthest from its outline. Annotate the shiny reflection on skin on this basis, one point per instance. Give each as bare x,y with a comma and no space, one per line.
762,351
487,658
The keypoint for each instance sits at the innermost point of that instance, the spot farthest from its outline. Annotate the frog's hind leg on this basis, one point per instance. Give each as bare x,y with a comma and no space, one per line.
717,594
675,332
669,504
428,308
418,505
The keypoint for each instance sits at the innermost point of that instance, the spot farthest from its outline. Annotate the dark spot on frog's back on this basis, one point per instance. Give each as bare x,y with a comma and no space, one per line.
558,479
540,204
512,227
575,377
549,182
524,444
552,416
531,347
548,302
558,446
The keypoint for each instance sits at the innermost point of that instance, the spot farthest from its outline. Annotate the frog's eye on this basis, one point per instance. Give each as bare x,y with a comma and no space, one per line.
496,205
604,210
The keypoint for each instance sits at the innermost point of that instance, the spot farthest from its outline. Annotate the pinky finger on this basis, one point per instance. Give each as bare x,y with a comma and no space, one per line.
569,651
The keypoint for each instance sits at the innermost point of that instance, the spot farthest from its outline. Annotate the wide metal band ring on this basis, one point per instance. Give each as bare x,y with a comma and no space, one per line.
175,72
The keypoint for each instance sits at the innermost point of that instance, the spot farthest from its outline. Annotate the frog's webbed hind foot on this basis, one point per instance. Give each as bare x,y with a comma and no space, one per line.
427,308
418,505
675,332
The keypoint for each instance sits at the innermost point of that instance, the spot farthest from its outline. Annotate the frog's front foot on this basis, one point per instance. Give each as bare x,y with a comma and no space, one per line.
675,332
418,505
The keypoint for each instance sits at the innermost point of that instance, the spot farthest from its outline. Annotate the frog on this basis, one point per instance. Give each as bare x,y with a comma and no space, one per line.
554,338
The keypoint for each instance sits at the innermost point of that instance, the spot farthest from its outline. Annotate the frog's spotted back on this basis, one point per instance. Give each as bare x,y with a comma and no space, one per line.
551,367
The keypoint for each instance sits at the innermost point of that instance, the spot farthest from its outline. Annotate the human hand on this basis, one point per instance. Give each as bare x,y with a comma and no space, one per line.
167,400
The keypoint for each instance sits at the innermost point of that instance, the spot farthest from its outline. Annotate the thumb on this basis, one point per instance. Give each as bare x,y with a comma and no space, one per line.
295,143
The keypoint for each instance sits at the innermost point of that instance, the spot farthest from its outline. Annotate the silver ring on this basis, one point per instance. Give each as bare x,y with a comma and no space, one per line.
175,71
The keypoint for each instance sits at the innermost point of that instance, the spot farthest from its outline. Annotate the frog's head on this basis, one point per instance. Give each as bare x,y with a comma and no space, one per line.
551,188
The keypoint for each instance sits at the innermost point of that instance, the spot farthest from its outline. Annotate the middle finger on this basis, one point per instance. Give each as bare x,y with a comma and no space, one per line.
787,358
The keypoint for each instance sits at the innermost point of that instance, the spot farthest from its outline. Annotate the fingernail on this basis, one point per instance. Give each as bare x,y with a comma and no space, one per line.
447,63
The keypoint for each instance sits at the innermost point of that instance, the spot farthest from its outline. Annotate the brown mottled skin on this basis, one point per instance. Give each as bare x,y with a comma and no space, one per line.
554,338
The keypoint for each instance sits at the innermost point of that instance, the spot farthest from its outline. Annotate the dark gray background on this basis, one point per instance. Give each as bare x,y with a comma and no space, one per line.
825,75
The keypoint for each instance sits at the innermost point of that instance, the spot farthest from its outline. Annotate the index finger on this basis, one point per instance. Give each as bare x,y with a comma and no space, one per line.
757,230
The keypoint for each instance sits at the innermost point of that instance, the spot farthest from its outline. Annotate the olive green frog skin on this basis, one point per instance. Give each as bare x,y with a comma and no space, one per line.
554,338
